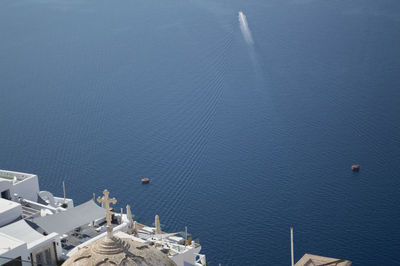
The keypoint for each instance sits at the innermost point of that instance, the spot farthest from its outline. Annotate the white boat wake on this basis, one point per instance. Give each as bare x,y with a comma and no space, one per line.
259,81
244,27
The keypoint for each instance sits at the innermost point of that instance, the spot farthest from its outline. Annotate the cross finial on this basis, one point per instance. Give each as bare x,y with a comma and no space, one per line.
105,200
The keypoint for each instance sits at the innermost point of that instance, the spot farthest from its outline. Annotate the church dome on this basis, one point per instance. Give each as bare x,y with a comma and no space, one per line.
118,251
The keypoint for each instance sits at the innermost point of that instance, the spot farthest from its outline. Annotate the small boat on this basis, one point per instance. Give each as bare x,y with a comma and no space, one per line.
355,167
145,180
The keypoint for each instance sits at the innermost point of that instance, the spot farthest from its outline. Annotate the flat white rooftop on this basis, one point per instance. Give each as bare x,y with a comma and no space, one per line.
21,231
149,230
6,205
10,175
9,211
8,243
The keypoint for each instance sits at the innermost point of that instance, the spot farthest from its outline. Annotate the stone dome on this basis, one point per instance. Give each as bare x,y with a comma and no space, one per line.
118,251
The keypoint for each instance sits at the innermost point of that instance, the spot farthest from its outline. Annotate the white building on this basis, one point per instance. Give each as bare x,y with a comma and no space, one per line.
38,228
14,184
22,199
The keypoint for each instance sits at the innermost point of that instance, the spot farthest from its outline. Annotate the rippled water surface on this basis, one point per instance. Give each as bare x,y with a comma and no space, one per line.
245,127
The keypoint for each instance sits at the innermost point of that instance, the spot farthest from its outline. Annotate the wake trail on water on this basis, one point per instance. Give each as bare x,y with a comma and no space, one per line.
244,27
248,37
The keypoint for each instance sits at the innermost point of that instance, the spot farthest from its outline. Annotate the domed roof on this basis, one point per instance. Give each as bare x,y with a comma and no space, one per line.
118,251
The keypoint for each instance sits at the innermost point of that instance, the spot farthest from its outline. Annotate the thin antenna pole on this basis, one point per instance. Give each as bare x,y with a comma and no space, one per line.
64,191
186,235
291,244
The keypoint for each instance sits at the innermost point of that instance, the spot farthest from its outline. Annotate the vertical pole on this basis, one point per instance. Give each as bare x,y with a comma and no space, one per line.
64,191
94,199
122,212
291,244
185,235
134,228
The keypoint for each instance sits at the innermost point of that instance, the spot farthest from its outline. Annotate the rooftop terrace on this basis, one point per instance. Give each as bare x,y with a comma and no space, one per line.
10,175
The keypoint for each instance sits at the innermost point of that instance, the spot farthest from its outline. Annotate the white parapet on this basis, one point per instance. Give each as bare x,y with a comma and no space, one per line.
11,247
9,211
23,184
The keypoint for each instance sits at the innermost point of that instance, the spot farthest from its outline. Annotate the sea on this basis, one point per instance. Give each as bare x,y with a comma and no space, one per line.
246,115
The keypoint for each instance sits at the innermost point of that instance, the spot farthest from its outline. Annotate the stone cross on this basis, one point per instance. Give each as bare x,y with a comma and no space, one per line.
105,200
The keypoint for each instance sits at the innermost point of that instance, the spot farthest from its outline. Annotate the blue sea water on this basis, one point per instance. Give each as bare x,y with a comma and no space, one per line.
241,140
